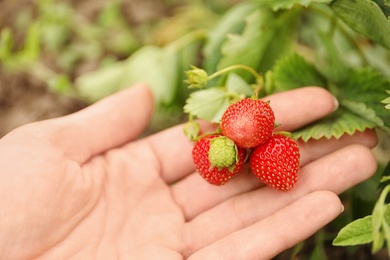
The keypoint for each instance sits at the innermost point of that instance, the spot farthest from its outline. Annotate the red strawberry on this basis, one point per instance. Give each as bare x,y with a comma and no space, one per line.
276,162
248,122
215,175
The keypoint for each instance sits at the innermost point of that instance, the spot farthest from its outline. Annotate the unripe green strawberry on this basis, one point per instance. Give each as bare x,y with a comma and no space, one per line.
223,152
276,162
215,175
248,122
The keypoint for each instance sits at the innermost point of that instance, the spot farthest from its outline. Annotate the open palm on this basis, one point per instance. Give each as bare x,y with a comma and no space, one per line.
84,187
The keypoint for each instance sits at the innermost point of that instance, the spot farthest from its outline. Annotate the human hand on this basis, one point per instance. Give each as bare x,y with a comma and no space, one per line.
82,187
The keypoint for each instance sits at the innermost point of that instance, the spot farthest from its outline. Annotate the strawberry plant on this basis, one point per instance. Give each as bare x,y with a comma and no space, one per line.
263,47
246,125
283,57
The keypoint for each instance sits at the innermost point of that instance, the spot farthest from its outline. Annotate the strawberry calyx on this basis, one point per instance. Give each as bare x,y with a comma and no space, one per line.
277,124
284,133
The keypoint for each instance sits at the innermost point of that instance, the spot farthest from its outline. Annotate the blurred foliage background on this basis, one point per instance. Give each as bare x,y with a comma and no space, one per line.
57,57
47,46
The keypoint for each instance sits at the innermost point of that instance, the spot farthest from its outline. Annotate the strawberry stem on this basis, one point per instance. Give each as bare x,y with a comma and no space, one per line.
258,77
285,133
204,135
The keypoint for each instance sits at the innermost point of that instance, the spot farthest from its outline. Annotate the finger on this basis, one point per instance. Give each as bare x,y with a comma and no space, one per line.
296,108
336,172
172,149
209,196
108,123
278,232
293,109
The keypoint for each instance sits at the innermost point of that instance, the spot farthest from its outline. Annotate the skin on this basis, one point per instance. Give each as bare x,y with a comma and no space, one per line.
85,186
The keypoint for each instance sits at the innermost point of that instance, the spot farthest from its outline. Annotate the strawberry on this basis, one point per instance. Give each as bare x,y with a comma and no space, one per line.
218,173
276,162
248,122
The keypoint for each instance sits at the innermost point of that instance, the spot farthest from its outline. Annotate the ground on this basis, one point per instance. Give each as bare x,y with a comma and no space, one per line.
22,101
23,97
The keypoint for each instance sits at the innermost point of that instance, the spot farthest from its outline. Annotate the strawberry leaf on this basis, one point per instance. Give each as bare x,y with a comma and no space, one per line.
153,65
363,111
102,82
387,101
209,104
355,233
366,17
249,47
283,40
287,4
267,35
238,85
232,22
293,71
380,222
356,87
335,125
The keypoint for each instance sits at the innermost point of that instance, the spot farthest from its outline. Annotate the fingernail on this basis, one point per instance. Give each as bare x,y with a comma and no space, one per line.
336,103
342,208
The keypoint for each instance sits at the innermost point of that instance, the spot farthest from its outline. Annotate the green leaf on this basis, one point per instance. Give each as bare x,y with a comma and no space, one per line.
238,85
331,61
267,36
365,85
355,233
111,15
387,214
385,177
380,229
363,111
287,4
249,47
6,44
158,67
60,84
231,22
335,125
387,100
365,17
209,104
100,83
384,5
293,71
282,43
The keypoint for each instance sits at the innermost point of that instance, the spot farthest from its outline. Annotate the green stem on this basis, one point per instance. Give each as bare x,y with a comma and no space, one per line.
236,67
259,78
204,135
